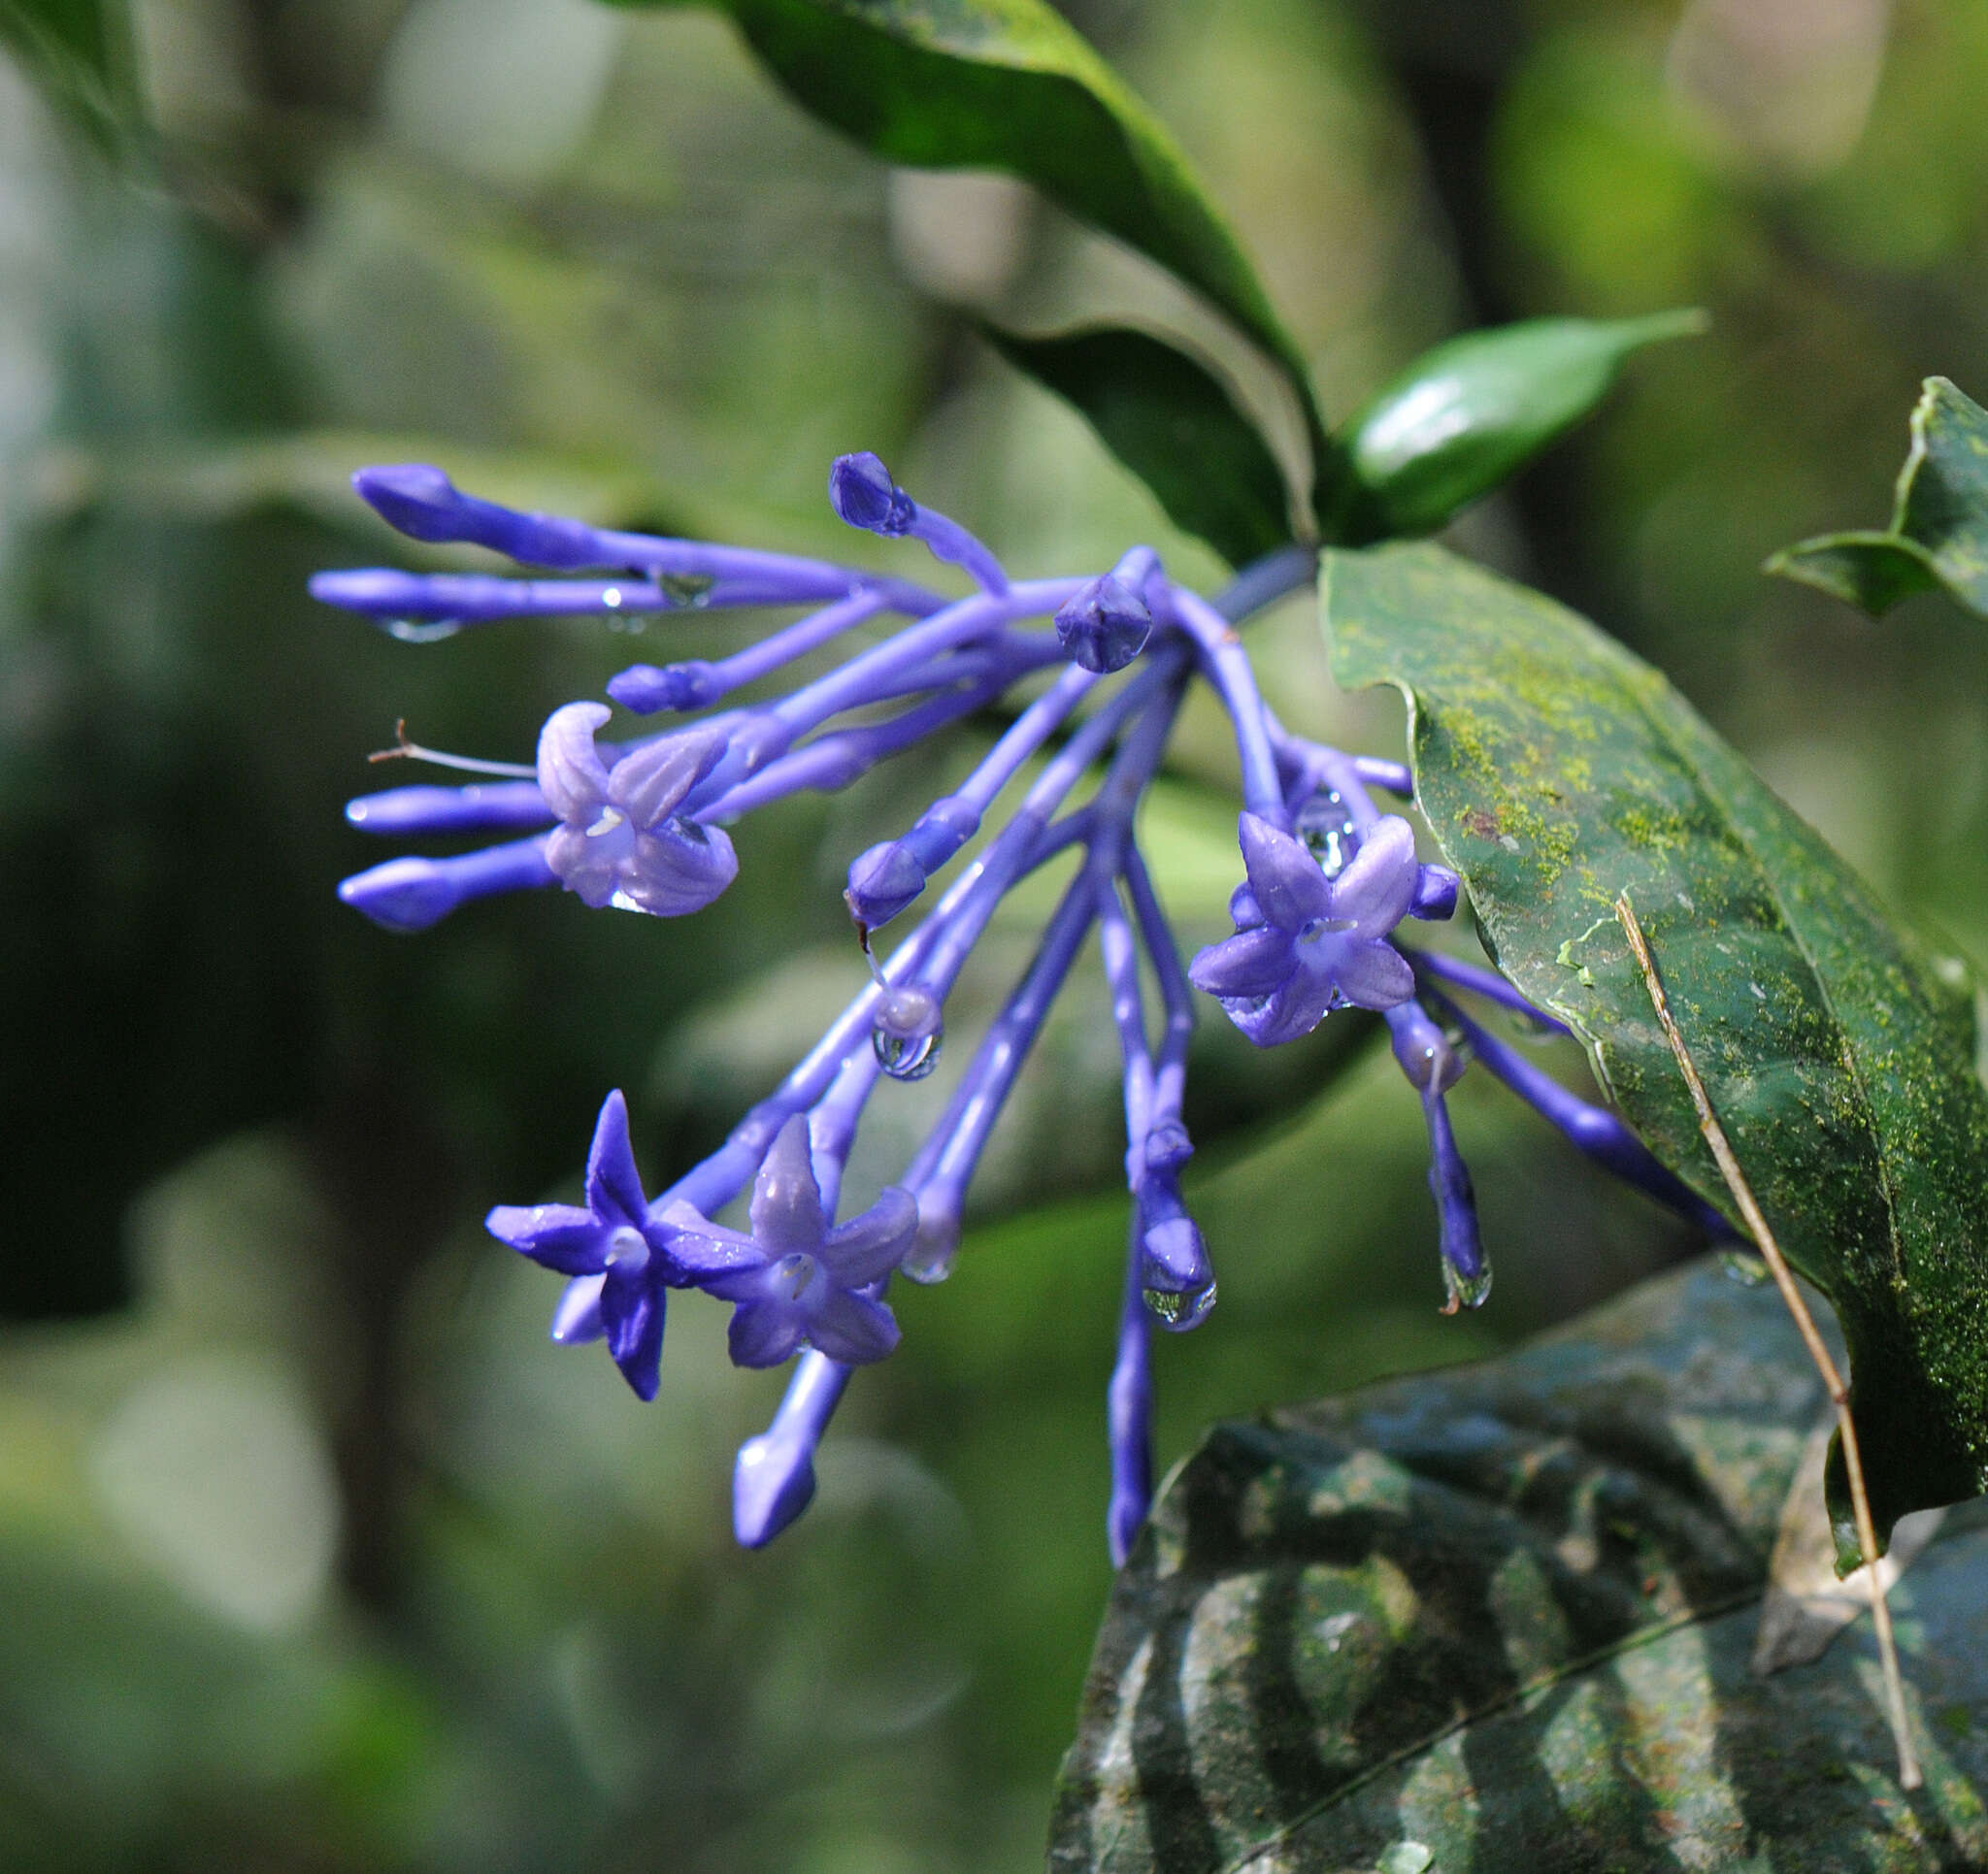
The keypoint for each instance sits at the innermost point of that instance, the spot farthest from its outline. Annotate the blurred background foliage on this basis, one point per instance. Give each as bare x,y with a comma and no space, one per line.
316,1554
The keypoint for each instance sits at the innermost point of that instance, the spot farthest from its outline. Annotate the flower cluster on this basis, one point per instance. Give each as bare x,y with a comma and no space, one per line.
640,825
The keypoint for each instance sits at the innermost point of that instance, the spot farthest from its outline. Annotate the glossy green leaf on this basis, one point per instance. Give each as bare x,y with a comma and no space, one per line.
1497,1619
80,53
1939,533
1010,85
1464,417
1557,770
1174,423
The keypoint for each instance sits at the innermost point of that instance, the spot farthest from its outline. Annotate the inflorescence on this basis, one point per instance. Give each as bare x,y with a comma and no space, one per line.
641,824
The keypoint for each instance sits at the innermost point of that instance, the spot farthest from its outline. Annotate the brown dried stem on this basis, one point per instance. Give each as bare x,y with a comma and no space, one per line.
1818,1351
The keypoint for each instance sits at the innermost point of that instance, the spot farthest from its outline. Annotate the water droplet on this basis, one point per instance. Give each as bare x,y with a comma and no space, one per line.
905,1057
1180,1310
933,1249
1466,1290
686,588
419,631
611,598
1328,831
1406,1857
1744,1266
1530,1028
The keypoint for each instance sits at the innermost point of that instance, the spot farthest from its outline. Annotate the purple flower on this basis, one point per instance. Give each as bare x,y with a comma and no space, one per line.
1322,943
613,1241
622,840
803,1286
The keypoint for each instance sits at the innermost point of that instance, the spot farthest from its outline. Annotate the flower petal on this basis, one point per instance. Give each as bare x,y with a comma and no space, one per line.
853,1329
762,1334
632,1312
559,1236
786,1201
868,1247
586,867
1252,962
571,774
1371,976
1295,1010
677,869
1377,888
1284,878
648,782
578,1317
613,1186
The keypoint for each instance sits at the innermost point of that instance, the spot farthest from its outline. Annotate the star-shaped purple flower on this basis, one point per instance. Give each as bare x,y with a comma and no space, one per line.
1318,943
621,839
804,1284
619,1252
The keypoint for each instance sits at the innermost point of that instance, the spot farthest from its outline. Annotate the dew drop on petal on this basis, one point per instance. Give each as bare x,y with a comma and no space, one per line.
1180,1310
686,588
909,1031
1327,830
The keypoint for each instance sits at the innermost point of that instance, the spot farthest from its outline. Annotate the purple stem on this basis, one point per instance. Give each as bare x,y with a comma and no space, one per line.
1129,1412
1228,668
1592,1130
697,684
1479,982
481,807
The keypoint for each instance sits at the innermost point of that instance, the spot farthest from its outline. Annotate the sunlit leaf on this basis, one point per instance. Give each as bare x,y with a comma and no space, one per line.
1557,770
1010,85
1466,415
1939,533
1172,422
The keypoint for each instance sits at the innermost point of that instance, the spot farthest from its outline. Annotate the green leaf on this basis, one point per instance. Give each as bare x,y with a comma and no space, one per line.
1466,415
1498,1620
1010,85
1174,423
1557,770
80,53
1939,533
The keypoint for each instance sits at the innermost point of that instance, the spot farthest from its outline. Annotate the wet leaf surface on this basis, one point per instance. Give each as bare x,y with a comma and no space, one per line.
1504,1613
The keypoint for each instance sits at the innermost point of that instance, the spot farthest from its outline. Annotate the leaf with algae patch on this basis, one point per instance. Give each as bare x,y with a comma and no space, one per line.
1558,771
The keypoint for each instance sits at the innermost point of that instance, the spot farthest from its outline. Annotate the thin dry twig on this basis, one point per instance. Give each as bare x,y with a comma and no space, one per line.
1818,1351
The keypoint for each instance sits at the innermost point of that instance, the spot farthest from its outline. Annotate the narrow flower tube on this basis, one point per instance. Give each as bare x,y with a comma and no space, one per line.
889,876
385,593
863,493
647,688
1228,668
1466,1269
1592,1130
413,894
422,503
485,807
774,1478
1129,1414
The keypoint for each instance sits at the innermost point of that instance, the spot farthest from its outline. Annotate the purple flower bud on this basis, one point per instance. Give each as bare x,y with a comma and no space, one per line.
478,809
414,499
773,1482
647,688
411,893
1168,1146
1105,626
1435,894
1466,1269
863,494
882,881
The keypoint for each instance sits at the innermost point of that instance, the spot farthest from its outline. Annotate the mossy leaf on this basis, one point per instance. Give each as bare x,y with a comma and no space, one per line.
1557,770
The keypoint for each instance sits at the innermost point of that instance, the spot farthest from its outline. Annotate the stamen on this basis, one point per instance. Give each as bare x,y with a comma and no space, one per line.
406,750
